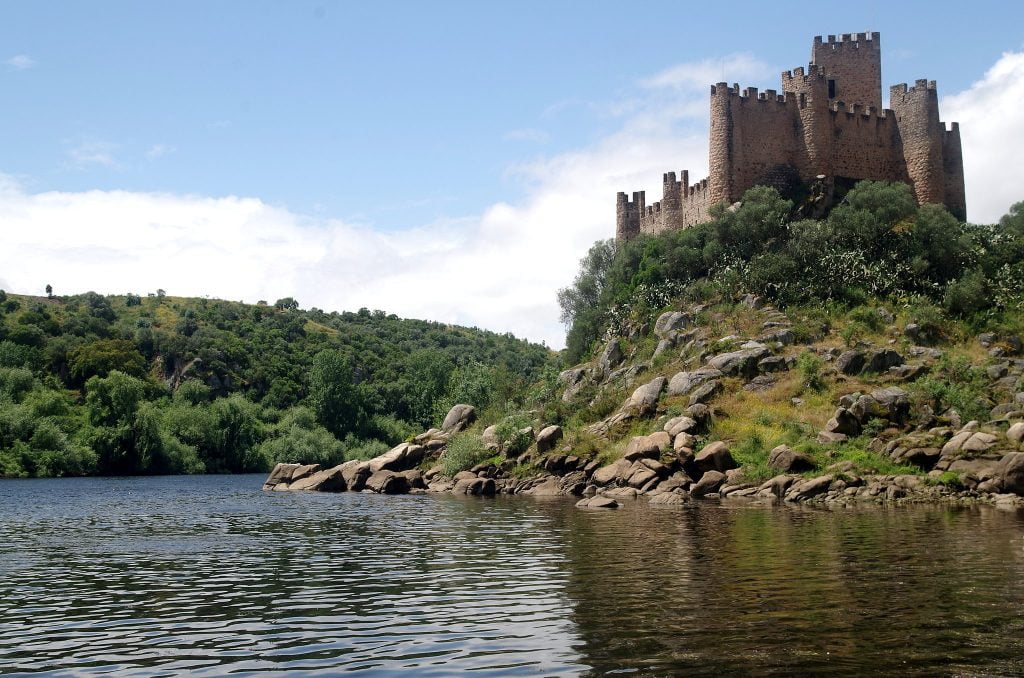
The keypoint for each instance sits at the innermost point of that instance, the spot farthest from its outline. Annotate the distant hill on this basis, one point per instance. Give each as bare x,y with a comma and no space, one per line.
131,384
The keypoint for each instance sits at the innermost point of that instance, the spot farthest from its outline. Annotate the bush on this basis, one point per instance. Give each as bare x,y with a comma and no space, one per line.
810,366
465,451
512,439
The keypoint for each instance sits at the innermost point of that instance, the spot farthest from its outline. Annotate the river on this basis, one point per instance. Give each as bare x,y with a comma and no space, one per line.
209,576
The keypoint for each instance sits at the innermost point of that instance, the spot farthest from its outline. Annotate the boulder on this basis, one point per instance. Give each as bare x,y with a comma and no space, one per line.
607,474
610,357
683,441
881,360
954,444
355,473
776,487
788,460
328,480
458,418
773,363
681,424
705,392
708,483
642,446
645,399
549,488
1016,432
548,438
598,502
894,401
715,457
979,442
280,475
388,482
490,437
670,321
399,458
850,362
922,457
809,488
844,422
684,382
484,487
739,363
1011,468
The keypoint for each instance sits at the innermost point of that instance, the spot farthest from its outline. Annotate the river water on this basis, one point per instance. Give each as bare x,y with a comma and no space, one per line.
211,576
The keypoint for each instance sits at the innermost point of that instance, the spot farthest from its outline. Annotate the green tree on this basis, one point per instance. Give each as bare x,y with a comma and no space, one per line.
333,394
104,356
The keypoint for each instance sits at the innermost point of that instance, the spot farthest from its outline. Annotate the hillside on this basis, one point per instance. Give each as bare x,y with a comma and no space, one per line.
874,354
156,384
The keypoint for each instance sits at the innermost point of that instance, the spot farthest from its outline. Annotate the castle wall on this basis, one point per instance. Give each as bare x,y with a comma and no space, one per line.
865,145
681,206
764,138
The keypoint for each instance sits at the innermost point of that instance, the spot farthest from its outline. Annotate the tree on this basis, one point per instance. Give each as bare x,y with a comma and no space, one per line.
49,291
286,304
102,357
333,394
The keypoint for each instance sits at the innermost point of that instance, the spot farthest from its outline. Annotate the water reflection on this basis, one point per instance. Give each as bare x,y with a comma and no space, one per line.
744,589
211,576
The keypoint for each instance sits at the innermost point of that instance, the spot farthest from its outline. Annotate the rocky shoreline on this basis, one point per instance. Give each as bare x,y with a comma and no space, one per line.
662,469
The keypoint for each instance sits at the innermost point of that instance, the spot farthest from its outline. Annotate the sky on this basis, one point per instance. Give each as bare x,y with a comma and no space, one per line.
450,161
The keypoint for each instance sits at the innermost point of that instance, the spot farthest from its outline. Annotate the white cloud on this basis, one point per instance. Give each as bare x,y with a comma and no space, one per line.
991,119
20,62
743,67
93,153
159,150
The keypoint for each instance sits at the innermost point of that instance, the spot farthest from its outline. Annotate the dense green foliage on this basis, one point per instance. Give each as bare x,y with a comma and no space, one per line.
876,244
124,385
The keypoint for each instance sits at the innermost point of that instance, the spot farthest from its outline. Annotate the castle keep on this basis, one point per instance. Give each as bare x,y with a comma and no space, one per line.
829,122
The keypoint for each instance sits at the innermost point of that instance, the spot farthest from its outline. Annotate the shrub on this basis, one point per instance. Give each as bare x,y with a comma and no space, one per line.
512,437
465,451
810,366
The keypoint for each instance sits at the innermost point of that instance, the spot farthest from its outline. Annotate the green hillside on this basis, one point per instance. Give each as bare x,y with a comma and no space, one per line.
93,384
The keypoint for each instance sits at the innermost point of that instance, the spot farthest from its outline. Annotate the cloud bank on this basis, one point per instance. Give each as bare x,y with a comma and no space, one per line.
991,119
498,270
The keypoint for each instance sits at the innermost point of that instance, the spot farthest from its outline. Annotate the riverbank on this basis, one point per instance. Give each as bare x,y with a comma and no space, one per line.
652,469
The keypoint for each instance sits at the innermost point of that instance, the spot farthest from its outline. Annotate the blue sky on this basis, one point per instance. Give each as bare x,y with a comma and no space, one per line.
404,122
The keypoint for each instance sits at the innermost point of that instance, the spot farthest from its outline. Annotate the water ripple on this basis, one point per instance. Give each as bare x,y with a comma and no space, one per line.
210,576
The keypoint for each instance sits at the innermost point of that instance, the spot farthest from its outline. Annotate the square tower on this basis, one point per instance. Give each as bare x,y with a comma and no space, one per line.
853,67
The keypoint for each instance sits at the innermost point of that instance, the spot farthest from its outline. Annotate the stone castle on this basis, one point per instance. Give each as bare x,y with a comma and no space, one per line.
827,123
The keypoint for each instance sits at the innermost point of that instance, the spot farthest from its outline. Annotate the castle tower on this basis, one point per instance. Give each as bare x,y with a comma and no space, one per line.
627,215
917,116
811,92
853,67
721,147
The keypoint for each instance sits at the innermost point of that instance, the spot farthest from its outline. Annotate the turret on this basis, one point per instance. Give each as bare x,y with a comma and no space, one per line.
917,117
627,215
722,146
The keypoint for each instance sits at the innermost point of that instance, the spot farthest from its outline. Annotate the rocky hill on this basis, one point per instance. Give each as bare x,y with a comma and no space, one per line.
874,354
744,401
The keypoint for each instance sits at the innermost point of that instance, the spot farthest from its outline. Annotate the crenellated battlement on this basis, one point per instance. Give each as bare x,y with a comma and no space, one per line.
827,120
850,40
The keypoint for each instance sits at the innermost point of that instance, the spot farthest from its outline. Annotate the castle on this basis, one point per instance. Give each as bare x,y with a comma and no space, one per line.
828,122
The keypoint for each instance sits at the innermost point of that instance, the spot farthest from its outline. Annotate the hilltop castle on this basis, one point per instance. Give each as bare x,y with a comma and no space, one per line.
829,122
